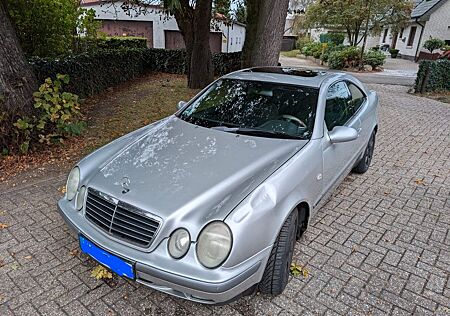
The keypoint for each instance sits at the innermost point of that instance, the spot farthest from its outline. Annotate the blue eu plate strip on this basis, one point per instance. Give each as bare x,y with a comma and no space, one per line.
116,264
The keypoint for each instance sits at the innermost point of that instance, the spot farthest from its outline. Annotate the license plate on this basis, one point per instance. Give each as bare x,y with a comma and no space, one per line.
116,264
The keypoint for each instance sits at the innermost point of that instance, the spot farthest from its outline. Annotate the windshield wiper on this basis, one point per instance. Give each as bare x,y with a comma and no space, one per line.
255,132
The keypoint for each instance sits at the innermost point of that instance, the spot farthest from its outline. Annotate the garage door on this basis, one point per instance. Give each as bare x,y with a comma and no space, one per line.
129,28
174,40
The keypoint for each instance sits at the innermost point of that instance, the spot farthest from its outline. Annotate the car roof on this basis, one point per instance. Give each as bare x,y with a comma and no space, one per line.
287,75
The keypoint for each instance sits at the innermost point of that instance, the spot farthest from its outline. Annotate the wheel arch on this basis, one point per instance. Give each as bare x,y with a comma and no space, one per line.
304,212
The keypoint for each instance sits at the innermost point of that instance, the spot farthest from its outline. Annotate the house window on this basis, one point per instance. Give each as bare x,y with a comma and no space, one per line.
385,35
401,32
412,35
231,40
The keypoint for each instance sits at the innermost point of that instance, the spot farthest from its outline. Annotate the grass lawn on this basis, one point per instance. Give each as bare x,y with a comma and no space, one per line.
292,53
110,114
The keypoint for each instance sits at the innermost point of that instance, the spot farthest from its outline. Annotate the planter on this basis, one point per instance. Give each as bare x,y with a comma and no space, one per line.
394,53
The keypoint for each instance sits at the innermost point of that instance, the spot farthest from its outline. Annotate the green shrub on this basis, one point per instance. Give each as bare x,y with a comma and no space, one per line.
332,37
117,42
329,49
433,44
374,58
438,76
313,49
57,116
301,42
345,58
336,60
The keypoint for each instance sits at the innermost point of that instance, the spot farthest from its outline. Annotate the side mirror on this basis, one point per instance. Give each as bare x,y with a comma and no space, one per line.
181,104
343,134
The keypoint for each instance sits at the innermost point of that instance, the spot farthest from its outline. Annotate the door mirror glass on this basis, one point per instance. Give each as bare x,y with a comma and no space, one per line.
342,134
181,104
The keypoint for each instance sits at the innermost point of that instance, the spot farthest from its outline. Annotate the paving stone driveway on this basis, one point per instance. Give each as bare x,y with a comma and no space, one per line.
381,245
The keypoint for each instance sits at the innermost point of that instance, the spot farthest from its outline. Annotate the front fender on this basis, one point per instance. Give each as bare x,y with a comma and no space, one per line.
257,220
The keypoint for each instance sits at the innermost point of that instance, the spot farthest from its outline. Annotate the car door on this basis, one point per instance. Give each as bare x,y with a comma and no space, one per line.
358,106
339,158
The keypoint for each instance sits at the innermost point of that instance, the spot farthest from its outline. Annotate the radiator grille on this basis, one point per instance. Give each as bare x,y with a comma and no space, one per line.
120,219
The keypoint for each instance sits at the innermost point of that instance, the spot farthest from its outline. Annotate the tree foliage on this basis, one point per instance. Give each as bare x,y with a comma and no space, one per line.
352,16
222,7
433,44
44,27
240,13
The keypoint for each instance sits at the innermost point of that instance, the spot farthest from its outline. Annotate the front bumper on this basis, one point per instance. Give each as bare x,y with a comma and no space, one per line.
185,278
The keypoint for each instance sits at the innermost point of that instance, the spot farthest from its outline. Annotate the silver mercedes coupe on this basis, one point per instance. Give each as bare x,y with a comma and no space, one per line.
207,204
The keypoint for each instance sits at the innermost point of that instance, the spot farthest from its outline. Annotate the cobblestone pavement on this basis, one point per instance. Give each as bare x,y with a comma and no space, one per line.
381,245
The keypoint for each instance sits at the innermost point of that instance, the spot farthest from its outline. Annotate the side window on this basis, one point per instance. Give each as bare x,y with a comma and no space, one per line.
336,109
358,98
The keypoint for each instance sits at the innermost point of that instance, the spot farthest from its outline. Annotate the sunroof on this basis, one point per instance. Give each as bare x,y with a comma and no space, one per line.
287,71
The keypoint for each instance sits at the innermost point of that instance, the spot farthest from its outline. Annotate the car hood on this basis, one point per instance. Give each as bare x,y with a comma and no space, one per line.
185,173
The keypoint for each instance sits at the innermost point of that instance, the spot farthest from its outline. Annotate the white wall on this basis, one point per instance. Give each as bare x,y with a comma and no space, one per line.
402,42
439,24
233,37
162,22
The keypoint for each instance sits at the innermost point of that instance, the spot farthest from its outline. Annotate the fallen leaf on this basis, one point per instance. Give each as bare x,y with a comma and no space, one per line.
2,226
15,266
62,189
28,257
419,182
74,252
297,270
100,272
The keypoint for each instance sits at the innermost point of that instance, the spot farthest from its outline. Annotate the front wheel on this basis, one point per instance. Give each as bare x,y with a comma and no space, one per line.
276,274
364,164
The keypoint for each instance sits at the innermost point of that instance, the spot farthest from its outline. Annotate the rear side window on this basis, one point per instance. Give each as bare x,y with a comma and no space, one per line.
336,111
357,98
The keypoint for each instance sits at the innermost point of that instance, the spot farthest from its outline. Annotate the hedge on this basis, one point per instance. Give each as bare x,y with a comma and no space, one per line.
94,71
116,42
433,76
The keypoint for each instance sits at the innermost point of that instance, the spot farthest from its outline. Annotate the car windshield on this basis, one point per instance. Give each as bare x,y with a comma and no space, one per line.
263,109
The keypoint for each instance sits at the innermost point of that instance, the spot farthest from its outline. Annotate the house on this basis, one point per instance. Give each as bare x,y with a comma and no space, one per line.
160,29
429,18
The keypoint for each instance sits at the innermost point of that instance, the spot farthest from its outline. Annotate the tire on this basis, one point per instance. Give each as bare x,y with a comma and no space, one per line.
276,274
364,164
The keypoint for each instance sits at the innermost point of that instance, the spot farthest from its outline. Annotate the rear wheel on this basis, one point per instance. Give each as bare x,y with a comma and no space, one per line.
276,274
364,164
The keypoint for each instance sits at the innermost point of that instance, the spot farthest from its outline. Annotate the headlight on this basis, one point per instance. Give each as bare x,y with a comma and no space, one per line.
72,183
214,244
80,198
179,243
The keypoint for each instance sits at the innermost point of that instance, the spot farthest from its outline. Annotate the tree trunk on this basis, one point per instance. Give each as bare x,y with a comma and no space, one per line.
17,80
194,24
201,68
366,32
350,36
265,27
